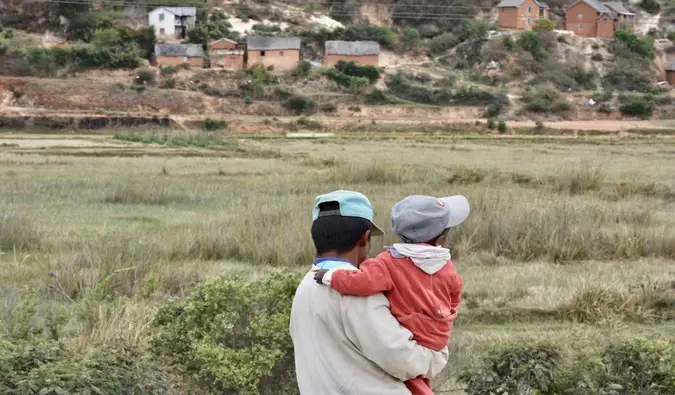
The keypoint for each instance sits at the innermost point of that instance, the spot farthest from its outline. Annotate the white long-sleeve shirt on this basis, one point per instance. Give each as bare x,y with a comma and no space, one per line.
349,345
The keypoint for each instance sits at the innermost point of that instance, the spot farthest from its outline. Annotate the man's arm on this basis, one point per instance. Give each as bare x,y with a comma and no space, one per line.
371,278
377,334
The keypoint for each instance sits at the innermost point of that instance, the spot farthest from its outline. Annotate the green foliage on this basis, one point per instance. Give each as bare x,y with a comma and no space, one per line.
544,24
639,367
167,71
501,127
260,77
400,86
382,34
603,96
545,98
410,38
8,34
642,47
372,73
231,336
303,69
3,49
266,29
499,101
329,108
596,57
198,36
531,42
443,42
651,6
300,105
106,37
214,124
145,76
515,370
626,75
638,105
491,123
220,29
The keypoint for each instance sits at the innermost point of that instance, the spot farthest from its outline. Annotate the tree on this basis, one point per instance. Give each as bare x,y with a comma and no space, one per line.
544,24
105,37
410,38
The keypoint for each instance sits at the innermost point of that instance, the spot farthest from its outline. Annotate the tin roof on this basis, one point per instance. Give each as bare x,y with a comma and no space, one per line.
180,11
352,48
266,43
670,66
186,50
610,7
518,3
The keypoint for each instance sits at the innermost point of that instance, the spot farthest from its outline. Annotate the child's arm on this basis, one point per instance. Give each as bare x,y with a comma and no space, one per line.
456,295
372,278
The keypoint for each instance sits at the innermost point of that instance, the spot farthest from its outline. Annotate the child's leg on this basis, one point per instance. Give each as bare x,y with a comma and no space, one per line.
419,386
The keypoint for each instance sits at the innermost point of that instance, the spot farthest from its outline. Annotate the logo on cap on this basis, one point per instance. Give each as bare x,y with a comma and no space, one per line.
440,202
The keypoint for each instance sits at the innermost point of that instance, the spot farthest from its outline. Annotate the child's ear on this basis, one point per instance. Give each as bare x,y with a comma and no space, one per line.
365,239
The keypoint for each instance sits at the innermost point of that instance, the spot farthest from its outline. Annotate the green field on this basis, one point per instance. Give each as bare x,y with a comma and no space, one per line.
571,240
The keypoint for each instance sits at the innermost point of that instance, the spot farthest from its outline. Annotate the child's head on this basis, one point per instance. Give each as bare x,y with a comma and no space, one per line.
426,219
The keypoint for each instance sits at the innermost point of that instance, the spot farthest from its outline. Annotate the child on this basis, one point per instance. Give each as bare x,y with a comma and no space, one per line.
416,275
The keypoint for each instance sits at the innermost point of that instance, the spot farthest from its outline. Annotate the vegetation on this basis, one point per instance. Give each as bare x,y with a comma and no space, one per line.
300,105
382,34
545,98
637,105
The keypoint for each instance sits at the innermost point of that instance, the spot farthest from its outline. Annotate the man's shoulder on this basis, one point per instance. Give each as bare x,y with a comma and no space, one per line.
322,294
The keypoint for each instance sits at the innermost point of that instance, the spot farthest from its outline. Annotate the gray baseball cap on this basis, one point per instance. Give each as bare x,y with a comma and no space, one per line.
418,219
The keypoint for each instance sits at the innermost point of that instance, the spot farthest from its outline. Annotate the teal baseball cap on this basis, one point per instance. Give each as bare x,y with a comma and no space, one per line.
351,204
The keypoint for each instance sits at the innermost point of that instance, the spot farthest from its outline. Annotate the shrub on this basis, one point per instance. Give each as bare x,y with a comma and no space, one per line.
605,108
442,43
329,108
544,24
382,34
410,38
628,76
231,336
106,37
3,49
8,34
595,46
499,101
501,127
596,57
303,69
300,105
642,47
372,73
640,367
490,123
260,76
144,76
214,124
651,6
545,99
168,71
604,96
531,42
168,83
638,105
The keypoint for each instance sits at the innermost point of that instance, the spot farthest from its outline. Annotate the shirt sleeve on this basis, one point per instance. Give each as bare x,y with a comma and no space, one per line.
369,325
456,295
371,278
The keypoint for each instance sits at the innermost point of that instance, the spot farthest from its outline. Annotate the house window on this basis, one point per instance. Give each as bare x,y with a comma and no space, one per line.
529,21
262,53
581,26
161,31
580,16
281,53
605,20
529,9
161,17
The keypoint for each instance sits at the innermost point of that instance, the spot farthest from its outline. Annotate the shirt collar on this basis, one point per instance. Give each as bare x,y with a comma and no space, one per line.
331,263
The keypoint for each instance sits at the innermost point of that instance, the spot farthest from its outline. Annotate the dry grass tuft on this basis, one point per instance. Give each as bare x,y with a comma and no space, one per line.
18,233
580,179
136,193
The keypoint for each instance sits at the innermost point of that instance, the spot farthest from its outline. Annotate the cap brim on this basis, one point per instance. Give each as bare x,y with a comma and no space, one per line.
459,209
376,230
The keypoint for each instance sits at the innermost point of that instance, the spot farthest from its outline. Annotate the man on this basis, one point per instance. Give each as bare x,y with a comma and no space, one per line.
347,344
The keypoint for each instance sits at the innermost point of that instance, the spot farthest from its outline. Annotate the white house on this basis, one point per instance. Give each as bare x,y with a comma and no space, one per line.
172,22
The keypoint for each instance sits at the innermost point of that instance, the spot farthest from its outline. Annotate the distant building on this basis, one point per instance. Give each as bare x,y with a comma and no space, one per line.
177,54
520,14
592,18
227,54
363,53
670,73
172,22
281,53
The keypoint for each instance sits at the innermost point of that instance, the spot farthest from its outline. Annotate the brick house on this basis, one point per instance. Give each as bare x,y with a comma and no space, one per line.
280,53
520,14
670,73
592,18
227,54
363,53
172,22
176,54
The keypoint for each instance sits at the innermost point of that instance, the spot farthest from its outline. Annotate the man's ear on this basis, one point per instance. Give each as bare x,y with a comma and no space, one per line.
365,238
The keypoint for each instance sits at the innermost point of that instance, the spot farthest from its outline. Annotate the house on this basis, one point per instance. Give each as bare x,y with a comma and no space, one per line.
592,18
670,73
363,53
280,53
520,14
227,54
172,22
176,54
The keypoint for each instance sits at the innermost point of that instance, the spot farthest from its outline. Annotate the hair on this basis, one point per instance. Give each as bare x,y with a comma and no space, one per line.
337,233
430,242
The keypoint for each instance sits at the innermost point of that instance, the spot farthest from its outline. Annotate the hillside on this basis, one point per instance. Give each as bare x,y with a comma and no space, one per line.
431,56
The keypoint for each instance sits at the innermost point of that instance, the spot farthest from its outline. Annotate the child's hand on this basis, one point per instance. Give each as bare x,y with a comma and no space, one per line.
318,276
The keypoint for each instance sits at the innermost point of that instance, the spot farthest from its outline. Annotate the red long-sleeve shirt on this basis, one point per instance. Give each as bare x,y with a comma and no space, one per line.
425,304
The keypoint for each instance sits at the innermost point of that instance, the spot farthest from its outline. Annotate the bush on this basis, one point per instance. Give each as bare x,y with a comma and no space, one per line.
545,99
168,71
168,83
531,42
596,57
8,34
145,76
106,37
231,336
303,69
3,49
260,77
628,76
382,34
638,105
595,46
372,73
642,47
651,6
605,108
544,24
491,124
442,43
410,38
499,101
214,124
329,108
501,127
300,105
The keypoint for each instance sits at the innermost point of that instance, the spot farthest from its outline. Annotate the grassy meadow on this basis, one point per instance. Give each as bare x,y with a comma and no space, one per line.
570,240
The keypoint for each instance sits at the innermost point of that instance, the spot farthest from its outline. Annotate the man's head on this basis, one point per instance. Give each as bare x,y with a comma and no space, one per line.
426,219
342,226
